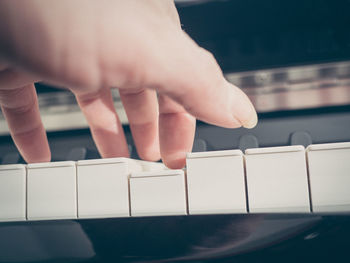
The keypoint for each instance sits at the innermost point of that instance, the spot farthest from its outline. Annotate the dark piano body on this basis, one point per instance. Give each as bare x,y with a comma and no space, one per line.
257,43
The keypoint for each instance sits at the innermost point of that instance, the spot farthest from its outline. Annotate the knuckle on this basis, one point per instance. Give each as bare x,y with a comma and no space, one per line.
28,132
127,93
17,100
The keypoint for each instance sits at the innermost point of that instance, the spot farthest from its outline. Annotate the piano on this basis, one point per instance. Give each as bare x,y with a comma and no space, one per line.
278,192
265,180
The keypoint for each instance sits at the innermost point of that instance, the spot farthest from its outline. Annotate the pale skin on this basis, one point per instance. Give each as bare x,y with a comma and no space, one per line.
164,78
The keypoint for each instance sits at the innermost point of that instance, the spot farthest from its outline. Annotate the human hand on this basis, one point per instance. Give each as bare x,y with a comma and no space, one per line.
89,47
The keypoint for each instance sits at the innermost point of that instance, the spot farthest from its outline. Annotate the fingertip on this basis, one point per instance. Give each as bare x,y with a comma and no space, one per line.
242,108
39,159
152,155
252,122
234,123
147,141
175,160
37,154
113,152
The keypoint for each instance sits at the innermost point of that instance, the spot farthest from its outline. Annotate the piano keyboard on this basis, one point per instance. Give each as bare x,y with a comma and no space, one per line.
263,180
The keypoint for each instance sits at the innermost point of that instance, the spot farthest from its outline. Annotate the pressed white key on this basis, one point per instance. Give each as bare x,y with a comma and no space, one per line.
51,191
158,193
103,186
277,180
329,172
12,192
216,183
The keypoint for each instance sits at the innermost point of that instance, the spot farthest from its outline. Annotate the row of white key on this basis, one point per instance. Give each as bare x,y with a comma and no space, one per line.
264,180
68,190
273,180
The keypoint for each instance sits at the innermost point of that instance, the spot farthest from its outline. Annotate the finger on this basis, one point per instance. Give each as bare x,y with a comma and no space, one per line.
176,132
192,77
104,123
20,108
141,107
10,79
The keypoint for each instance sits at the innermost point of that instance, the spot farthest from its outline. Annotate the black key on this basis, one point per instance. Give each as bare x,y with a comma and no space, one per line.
11,158
248,141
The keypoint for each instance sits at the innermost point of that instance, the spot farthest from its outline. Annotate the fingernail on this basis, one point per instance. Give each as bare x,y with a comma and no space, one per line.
252,122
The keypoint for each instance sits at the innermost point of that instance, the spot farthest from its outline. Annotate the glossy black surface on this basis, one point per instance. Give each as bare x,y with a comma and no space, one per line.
205,238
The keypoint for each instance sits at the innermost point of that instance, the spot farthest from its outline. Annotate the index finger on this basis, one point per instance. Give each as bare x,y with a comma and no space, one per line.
192,77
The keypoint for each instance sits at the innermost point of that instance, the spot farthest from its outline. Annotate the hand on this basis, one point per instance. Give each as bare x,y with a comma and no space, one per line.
91,46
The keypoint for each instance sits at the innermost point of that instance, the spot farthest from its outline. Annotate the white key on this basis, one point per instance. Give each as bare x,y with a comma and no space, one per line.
329,172
12,192
103,186
216,183
277,180
158,193
51,191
